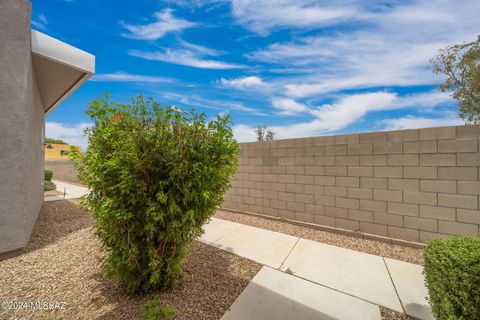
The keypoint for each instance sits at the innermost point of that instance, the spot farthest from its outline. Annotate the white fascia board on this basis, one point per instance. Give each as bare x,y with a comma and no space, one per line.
62,52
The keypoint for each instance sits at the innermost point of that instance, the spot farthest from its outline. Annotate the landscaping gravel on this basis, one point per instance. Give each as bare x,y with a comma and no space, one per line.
394,251
60,265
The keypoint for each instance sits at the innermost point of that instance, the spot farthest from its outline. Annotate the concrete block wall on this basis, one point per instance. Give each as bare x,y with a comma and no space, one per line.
63,169
412,185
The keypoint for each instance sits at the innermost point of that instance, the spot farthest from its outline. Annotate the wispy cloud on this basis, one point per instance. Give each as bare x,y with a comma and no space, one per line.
185,58
129,77
414,122
289,106
41,22
262,16
249,82
165,22
383,46
347,110
197,101
73,134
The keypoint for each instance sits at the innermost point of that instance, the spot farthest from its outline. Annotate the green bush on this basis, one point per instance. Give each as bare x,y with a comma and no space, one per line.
49,186
452,276
155,311
48,175
156,176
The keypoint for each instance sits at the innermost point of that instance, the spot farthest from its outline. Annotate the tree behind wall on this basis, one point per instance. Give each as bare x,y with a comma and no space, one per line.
156,175
264,134
461,64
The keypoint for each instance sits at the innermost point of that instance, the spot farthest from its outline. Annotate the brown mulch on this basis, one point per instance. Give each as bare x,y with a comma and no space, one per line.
60,265
394,251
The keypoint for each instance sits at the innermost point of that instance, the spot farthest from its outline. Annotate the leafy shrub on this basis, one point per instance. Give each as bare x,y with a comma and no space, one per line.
452,273
49,186
154,311
48,175
156,176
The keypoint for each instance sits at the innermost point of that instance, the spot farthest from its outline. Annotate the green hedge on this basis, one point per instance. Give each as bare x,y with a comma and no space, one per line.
452,275
48,175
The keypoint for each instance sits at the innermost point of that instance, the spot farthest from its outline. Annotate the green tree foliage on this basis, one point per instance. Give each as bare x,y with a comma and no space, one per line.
156,175
461,64
264,134
53,140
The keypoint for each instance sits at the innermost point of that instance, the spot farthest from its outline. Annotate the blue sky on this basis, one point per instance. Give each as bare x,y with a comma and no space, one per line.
301,67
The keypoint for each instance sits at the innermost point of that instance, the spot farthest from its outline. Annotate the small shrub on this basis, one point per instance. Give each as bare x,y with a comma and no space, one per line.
48,175
452,276
49,186
156,175
154,311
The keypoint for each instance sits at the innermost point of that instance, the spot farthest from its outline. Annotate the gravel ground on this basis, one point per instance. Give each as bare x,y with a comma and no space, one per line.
60,265
393,251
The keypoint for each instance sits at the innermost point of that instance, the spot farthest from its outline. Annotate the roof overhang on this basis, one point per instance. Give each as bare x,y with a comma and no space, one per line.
59,68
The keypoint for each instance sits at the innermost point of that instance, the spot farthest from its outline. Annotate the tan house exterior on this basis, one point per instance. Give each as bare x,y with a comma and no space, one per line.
37,73
58,151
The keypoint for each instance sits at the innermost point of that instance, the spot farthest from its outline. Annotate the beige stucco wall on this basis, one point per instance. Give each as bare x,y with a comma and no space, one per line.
412,185
21,129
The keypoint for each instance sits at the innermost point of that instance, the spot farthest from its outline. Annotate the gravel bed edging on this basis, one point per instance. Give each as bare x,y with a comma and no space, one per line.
351,233
346,240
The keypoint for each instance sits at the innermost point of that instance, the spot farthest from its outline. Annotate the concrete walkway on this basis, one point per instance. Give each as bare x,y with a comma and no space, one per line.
328,282
72,191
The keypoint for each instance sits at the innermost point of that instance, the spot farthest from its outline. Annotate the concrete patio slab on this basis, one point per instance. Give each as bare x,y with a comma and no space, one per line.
409,282
273,294
362,275
264,246
218,228
71,191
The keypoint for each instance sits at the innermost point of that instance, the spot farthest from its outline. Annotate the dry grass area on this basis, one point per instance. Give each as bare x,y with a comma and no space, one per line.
399,252
60,265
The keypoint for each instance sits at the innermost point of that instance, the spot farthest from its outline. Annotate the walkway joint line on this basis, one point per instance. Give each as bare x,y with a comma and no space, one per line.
394,287
281,265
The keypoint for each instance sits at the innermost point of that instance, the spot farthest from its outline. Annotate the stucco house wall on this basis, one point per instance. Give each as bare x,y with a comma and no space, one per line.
37,73
21,128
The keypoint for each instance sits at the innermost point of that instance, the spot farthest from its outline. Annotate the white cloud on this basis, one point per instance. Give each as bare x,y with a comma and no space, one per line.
41,22
386,45
201,49
261,16
72,134
352,108
185,58
243,83
196,101
244,133
289,106
412,122
165,23
129,77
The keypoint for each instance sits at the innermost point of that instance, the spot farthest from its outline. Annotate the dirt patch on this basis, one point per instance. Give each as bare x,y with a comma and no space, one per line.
60,265
383,249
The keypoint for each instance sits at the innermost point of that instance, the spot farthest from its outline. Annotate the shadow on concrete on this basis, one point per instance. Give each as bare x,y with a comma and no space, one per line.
419,311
